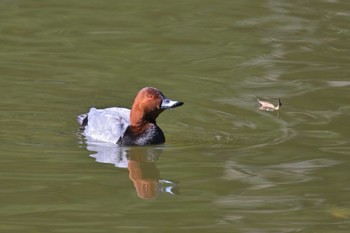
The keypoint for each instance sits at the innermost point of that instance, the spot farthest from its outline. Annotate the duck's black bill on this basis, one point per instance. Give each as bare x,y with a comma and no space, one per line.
177,104
167,103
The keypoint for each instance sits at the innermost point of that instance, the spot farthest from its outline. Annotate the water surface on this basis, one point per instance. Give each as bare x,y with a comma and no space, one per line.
226,166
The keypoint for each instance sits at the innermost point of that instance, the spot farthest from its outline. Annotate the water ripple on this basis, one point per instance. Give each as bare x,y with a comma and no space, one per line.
262,204
258,177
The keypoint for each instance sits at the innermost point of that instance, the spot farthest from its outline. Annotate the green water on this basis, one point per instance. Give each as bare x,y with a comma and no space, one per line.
233,168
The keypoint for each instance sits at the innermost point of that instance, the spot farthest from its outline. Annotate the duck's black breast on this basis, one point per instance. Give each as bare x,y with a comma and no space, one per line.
152,134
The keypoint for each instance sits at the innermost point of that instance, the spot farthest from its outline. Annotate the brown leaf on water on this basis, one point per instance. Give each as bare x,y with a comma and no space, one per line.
267,106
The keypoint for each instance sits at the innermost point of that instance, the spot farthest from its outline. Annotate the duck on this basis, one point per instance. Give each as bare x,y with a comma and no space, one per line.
135,126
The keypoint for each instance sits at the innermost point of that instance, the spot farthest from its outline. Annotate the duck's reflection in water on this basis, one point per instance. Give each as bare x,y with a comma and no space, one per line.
140,161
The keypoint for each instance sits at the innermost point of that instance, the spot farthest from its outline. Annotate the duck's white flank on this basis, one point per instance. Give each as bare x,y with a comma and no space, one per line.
106,125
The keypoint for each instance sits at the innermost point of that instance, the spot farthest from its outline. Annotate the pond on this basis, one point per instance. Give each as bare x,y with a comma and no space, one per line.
226,166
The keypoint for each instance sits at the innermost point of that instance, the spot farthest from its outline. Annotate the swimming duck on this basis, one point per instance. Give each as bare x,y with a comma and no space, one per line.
129,127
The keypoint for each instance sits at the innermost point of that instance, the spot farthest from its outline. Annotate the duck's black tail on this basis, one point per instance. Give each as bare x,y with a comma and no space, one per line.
82,120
